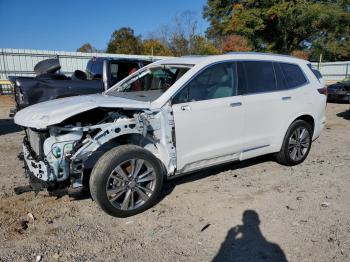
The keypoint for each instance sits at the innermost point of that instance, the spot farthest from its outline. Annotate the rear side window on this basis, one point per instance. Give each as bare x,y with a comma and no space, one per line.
259,77
315,72
293,75
280,80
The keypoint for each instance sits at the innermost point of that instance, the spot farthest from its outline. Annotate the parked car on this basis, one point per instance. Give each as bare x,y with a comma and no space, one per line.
340,91
170,118
101,73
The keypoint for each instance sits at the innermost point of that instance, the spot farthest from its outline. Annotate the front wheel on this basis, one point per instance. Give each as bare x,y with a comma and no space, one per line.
126,181
296,144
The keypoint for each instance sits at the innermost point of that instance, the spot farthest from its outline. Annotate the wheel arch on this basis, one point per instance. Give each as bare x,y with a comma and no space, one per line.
132,138
307,117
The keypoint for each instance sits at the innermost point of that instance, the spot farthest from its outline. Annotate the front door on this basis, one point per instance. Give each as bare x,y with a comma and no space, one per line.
209,119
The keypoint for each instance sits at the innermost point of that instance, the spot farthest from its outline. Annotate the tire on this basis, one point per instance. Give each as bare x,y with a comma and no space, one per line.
293,147
116,190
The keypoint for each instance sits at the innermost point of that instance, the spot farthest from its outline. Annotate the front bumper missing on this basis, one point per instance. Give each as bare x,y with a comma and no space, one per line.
37,168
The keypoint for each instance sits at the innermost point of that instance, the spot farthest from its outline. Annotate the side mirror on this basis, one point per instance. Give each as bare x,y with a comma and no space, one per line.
106,75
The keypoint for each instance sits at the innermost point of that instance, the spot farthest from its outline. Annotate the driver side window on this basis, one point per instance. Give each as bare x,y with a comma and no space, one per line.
217,81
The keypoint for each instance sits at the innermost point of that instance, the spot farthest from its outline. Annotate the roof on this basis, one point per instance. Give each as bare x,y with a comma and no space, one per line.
195,60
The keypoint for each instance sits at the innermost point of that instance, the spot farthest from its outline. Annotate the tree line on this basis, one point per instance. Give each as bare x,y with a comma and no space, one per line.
306,29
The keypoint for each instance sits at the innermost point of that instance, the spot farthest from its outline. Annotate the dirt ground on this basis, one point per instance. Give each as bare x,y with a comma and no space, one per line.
256,210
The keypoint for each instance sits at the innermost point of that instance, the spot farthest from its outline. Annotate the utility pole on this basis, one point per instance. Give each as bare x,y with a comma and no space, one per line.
319,62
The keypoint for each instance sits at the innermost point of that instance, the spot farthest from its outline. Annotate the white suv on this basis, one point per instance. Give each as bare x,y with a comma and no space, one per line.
173,117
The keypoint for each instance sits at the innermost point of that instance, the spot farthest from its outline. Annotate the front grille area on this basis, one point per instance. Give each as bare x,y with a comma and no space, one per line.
35,141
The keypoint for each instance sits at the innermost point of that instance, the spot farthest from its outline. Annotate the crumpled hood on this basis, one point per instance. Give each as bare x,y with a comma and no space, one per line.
45,114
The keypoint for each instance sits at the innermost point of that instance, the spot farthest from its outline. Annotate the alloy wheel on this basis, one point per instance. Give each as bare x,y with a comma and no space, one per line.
299,143
131,184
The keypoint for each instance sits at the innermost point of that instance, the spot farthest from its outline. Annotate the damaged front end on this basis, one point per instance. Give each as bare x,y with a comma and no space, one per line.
59,156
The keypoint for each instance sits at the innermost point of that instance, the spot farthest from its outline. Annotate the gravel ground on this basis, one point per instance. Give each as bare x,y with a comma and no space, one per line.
256,210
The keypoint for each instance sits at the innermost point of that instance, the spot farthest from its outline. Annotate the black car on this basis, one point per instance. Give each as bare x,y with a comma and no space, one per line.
100,74
340,91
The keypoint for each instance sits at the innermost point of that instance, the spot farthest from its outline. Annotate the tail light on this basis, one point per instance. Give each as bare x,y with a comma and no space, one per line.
323,91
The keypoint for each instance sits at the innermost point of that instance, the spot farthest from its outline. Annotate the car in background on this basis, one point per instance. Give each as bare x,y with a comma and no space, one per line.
340,91
49,83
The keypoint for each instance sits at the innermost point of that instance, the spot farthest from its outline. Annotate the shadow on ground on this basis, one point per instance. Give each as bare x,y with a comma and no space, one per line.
7,126
345,114
246,243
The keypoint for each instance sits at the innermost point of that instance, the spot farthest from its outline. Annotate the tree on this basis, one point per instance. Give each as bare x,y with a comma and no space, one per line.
182,37
183,33
301,54
87,48
123,41
202,46
235,43
155,47
179,44
283,26
218,13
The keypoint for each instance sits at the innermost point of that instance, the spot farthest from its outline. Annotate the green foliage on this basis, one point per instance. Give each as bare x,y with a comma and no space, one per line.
202,46
123,41
235,43
87,48
155,47
283,26
179,44
218,13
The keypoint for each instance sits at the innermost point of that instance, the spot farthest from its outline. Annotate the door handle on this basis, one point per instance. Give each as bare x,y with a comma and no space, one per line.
286,98
185,108
235,104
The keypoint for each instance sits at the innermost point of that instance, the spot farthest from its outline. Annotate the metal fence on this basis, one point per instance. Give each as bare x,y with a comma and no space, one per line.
21,62
333,71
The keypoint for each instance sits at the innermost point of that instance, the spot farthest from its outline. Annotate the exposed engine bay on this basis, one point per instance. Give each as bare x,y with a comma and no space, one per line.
59,156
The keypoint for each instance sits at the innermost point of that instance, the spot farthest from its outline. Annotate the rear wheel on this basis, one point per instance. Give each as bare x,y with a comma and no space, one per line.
296,145
126,181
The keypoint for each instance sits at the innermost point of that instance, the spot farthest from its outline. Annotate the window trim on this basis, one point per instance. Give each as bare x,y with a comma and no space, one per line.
195,75
275,64
245,75
242,60
309,65
277,90
302,71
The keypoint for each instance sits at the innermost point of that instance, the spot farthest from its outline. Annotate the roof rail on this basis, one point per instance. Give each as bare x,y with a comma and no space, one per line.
194,55
259,53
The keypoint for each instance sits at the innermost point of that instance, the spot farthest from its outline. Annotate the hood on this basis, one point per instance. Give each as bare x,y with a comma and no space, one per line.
45,114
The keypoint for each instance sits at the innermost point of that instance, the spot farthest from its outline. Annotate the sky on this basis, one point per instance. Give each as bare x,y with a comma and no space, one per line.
67,24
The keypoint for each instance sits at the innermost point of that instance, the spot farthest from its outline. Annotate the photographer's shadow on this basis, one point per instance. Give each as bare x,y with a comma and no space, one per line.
246,243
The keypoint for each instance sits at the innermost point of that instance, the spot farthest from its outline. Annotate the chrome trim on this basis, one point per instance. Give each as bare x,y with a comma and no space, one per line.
236,104
261,53
254,148
196,74
244,60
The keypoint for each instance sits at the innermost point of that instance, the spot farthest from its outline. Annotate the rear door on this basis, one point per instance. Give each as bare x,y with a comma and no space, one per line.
292,91
262,102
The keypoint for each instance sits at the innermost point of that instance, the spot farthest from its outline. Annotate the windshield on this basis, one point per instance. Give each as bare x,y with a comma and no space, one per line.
156,78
